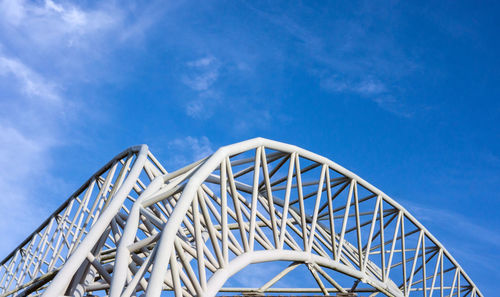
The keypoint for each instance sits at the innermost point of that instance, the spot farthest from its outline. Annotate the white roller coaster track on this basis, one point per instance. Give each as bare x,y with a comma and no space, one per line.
135,230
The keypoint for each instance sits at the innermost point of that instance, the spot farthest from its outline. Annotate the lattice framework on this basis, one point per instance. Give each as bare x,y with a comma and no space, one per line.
135,229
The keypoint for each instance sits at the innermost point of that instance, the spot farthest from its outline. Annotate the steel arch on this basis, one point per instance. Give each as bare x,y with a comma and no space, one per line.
256,201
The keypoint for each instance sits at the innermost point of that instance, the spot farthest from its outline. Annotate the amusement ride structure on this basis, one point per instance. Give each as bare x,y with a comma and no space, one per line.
255,218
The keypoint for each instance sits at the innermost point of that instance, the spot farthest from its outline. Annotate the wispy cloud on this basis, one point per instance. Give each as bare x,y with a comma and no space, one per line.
204,73
456,223
31,113
470,243
203,81
52,25
201,75
366,87
30,82
203,62
183,151
23,160
46,49
41,44
348,59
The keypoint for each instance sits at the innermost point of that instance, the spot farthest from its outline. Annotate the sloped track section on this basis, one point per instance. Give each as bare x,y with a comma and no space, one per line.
135,230
31,266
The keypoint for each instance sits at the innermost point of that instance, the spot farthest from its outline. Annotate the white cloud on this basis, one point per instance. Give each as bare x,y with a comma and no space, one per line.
202,81
35,114
473,245
456,224
391,104
51,5
370,87
187,150
46,47
195,108
201,76
145,15
12,11
365,87
31,82
204,73
349,58
203,62
60,18
22,160
31,111
60,31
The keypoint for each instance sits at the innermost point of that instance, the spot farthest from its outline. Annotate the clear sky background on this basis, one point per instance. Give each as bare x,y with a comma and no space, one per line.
406,95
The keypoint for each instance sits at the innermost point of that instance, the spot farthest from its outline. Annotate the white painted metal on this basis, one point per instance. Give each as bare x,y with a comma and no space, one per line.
133,229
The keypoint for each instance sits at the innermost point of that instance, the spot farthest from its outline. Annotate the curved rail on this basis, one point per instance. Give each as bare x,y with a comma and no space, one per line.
188,232
425,246
61,237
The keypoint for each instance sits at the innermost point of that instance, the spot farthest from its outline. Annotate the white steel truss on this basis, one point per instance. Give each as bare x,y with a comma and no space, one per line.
135,230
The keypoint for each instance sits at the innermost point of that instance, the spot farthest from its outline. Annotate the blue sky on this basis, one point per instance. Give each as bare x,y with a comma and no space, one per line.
403,94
